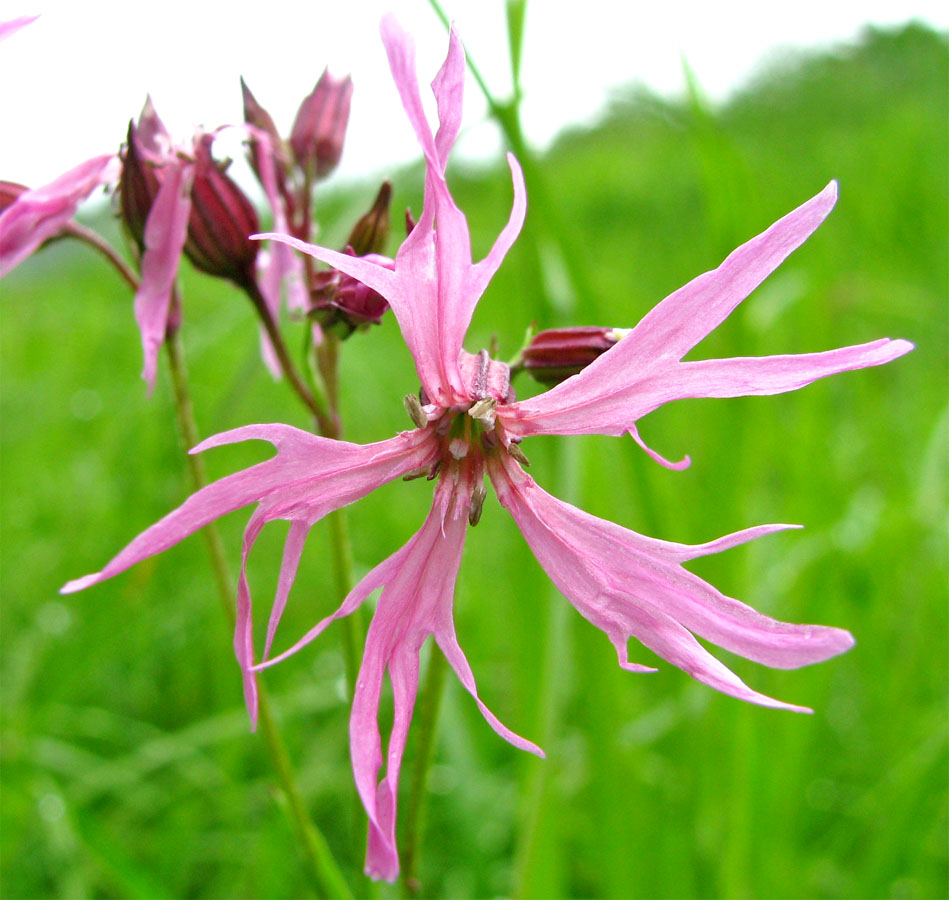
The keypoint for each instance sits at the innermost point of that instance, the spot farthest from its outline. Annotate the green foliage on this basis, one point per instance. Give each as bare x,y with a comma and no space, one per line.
128,768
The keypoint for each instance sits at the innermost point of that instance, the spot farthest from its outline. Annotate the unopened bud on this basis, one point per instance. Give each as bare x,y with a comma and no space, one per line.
138,186
555,355
221,220
371,232
320,125
258,117
340,300
9,192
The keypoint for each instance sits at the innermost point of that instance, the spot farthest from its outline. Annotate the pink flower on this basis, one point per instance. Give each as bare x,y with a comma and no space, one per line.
12,26
468,425
155,198
320,125
42,213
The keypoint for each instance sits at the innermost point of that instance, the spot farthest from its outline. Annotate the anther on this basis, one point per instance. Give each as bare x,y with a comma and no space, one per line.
423,472
458,448
477,504
483,411
414,408
518,454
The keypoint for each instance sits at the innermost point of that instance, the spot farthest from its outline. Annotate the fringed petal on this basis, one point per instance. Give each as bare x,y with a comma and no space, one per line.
309,477
643,370
165,232
416,602
631,585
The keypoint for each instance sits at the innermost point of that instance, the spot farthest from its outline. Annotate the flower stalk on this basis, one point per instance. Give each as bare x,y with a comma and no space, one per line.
316,852
429,706
300,388
341,552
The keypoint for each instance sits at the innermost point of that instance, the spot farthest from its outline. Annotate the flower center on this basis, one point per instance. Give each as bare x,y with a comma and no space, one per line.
467,433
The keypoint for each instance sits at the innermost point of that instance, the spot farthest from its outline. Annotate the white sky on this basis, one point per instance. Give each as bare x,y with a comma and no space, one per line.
70,82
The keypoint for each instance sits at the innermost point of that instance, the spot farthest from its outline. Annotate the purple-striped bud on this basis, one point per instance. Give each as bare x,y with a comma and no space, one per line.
554,355
221,220
261,121
340,299
138,186
371,232
320,125
9,191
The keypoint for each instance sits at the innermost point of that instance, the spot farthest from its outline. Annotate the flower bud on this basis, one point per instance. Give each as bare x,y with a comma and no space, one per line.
339,298
260,120
554,355
221,220
138,186
371,232
9,191
320,125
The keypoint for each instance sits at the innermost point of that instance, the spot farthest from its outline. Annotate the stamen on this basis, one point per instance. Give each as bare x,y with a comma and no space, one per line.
518,454
414,408
423,472
477,504
483,411
458,448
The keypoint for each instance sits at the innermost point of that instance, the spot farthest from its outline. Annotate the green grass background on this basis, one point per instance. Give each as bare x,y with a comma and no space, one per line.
128,769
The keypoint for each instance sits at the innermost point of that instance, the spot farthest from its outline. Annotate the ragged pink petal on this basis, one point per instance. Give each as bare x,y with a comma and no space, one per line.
400,48
41,213
434,287
644,369
279,271
415,603
308,477
633,586
12,26
165,232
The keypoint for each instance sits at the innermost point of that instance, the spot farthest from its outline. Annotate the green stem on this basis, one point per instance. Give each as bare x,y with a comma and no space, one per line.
341,552
187,427
327,356
412,830
280,349
316,852
99,243
546,217
318,855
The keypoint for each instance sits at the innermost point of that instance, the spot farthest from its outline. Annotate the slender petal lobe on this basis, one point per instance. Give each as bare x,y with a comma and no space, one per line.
12,26
416,602
634,586
165,232
308,477
644,369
